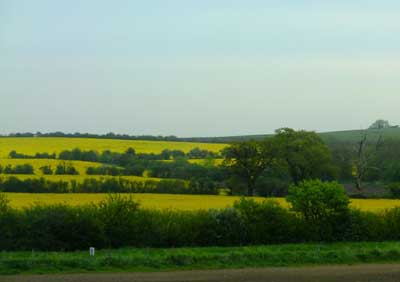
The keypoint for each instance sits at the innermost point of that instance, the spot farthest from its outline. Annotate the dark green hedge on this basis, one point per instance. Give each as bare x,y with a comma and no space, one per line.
107,185
119,222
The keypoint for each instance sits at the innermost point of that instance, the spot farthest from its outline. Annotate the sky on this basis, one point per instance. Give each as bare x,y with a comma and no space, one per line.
197,68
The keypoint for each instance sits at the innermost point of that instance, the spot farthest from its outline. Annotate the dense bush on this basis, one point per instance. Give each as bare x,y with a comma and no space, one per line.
18,169
135,170
317,200
394,190
46,170
66,169
119,221
266,222
324,206
105,170
15,155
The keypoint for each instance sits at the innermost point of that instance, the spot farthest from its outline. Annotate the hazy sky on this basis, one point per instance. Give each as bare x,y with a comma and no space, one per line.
197,68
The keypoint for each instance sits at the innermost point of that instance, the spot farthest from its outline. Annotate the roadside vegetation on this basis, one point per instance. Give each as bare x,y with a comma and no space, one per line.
149,259
318,212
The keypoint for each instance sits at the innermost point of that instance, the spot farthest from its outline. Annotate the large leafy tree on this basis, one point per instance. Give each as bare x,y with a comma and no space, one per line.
305,155
249,160
380,124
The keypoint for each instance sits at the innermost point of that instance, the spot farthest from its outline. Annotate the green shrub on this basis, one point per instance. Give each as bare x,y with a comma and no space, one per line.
266,222
118,216
228,226
61,227
394,190
391,222
4,203
8,224
364,226
324,206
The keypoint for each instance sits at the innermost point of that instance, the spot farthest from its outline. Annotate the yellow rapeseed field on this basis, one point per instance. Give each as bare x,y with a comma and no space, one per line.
78,178
201,161
168,201
32,145
38,163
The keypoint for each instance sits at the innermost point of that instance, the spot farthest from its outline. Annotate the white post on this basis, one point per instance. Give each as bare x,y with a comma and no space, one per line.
91,251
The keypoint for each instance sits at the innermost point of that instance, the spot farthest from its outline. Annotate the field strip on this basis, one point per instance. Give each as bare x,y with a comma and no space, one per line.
174,201
51,145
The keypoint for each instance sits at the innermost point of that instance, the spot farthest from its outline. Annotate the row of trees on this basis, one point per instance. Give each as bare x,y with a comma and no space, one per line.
61,169
106,185
110,157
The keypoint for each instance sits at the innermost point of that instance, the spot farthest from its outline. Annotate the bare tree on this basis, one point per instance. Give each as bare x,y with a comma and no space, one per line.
363,158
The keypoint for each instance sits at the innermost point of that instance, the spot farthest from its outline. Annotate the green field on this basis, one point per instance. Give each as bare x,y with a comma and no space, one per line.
198,258
30,146
330,137
353,136
173,201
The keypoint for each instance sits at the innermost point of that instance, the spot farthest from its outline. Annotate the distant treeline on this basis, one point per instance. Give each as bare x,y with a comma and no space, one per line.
388,131
95,136
106,185
116,136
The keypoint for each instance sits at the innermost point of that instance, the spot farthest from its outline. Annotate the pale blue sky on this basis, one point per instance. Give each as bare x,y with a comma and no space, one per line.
197,68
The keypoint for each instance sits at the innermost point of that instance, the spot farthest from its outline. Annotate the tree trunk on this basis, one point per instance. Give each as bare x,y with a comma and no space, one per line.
359,184
250,189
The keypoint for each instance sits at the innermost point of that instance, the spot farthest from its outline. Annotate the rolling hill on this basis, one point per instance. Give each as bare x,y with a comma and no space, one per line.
329,137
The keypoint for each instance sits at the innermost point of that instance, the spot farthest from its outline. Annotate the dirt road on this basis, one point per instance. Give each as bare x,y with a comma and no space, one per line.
359,273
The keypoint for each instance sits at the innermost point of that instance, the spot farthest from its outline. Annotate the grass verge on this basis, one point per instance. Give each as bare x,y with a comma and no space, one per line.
198,258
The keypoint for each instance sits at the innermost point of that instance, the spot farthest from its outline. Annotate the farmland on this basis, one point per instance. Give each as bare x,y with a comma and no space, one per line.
31,146
175,202
80,166
78,178
186,208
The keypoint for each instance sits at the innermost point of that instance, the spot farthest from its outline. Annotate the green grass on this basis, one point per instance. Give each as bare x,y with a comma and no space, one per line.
351,136
354,136
198,258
